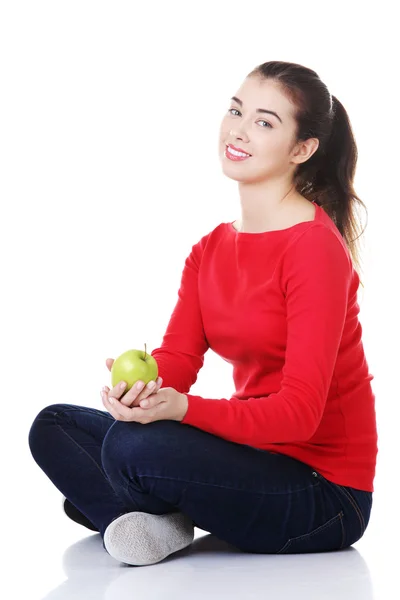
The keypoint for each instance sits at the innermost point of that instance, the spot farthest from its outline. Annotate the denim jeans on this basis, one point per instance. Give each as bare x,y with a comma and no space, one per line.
256,500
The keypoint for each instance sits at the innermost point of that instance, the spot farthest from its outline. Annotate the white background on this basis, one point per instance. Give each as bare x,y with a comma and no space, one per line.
109,115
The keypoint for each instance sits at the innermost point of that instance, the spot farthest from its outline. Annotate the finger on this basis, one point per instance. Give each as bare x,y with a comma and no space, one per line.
110,400
124,413
151,401
151,388
109,363
134,396
149,391
118,390
109,407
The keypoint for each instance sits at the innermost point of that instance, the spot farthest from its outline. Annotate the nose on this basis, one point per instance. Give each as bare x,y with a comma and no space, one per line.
236,136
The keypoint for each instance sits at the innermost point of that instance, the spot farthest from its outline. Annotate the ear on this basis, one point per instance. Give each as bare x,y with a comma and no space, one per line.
305,150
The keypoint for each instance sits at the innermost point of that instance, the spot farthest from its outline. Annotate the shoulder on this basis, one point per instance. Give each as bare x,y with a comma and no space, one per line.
318,239
317,256
211,236
205,242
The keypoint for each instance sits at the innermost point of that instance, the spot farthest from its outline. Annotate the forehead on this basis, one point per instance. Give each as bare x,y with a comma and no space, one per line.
257,93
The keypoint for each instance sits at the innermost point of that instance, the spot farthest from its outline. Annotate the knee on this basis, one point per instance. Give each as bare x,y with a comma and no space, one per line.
129,442
119,444
45,417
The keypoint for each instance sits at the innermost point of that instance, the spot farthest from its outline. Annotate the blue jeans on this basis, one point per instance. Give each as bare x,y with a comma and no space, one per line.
256,500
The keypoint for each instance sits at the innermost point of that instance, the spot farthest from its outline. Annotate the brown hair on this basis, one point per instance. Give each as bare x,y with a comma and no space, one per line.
327,177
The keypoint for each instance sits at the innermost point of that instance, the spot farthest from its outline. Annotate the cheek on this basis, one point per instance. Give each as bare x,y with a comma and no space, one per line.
225,128
224,136
272,151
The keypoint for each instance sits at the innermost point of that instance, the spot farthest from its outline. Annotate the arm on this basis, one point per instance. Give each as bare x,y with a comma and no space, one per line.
316,276
181,354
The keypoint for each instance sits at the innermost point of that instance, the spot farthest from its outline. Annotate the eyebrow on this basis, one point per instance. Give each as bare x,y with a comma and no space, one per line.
259,110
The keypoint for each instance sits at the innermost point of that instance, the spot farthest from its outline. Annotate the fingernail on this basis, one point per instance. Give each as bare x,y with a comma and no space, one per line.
139,385
150,385
123,385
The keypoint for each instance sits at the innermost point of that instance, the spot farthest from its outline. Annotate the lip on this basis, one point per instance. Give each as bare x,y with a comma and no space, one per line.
237,149
235,158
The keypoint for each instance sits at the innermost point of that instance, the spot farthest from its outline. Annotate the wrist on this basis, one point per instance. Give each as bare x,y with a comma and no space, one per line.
185,406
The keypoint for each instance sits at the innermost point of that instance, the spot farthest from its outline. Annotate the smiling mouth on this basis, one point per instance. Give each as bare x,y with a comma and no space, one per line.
235,156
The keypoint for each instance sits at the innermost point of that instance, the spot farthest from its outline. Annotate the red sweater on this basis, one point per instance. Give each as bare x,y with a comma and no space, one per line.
280,307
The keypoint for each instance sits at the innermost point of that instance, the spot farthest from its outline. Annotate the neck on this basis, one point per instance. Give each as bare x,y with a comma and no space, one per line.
261,209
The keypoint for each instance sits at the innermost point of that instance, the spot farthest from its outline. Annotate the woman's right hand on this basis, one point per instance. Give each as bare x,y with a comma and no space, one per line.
132,397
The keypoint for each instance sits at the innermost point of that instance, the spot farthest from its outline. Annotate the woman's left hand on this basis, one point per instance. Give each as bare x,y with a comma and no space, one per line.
166,404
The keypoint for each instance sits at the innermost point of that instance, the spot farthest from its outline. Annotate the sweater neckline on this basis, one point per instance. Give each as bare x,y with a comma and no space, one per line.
245,235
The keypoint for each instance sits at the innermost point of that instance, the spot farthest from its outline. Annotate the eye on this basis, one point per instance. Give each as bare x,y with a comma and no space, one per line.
269,124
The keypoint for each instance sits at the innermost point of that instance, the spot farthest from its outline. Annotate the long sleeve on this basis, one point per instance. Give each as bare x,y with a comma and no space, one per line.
181,354
316,274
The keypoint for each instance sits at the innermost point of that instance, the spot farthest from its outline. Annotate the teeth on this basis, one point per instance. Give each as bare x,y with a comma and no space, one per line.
236,153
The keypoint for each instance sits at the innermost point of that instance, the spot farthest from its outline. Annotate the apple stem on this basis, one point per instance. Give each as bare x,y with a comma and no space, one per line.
145,351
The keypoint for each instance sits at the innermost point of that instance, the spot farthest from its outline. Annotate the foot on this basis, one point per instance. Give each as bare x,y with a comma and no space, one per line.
139,538
75,515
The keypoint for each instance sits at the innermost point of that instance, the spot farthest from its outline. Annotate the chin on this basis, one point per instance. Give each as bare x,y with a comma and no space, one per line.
236,171
239,177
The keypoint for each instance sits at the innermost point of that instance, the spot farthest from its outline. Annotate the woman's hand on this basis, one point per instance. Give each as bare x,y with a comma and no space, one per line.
137,392
165,404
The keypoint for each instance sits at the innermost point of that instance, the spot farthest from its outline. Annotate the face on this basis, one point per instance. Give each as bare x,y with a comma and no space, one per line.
268,138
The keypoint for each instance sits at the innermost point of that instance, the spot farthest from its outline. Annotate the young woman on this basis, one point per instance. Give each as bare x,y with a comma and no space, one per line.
287,464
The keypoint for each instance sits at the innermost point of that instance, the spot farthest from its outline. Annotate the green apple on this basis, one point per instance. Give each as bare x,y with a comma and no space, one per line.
132,366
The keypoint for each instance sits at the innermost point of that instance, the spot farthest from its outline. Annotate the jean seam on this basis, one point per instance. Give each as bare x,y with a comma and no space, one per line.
343,531
261,492
76,443
349,497
310,534
86,409
355,506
